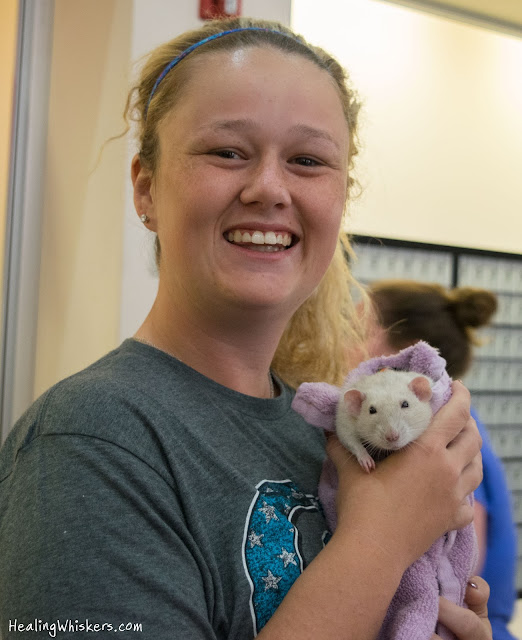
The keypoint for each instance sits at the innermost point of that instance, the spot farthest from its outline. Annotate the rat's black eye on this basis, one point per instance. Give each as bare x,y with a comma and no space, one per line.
404,404
372,409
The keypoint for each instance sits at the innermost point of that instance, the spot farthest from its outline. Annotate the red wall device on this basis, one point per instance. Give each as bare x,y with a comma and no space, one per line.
209,9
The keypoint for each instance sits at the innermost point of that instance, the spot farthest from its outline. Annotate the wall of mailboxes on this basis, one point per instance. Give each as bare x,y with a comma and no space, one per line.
495,378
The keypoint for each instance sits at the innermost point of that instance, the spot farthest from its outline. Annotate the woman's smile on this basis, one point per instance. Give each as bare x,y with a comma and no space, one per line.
256,240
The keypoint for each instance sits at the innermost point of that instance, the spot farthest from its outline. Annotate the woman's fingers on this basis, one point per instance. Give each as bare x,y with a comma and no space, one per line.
469,480
468,442
472,474
477,596
453,417
469,437
471,623
454,433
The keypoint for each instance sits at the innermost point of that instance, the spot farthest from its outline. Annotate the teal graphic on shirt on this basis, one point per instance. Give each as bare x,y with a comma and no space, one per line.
275,548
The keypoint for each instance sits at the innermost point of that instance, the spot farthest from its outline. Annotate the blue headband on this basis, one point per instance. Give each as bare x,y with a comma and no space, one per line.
185,53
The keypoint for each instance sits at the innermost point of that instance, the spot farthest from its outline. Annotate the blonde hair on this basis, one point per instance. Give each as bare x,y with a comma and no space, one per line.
325,328
314,344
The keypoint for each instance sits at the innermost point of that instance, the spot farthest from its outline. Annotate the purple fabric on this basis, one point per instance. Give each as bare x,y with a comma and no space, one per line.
446,567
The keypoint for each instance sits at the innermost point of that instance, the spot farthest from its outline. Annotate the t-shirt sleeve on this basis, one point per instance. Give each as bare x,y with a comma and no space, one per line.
93,535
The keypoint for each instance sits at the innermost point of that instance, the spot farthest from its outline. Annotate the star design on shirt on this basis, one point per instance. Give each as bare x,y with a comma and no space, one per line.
287,558
268,511
255,539
271,581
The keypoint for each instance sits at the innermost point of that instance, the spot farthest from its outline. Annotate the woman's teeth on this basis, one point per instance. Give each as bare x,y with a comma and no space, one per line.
268,241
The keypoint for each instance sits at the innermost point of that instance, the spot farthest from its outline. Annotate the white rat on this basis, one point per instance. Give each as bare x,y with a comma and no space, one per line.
384,411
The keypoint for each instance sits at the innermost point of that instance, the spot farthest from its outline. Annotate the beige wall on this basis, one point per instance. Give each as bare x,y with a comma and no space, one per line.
8,30
441,132
78,318
95,268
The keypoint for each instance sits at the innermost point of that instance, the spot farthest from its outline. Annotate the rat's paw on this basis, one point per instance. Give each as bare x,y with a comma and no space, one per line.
366,462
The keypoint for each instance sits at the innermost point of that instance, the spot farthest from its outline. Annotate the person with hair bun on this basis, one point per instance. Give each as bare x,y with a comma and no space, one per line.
408,311
171,484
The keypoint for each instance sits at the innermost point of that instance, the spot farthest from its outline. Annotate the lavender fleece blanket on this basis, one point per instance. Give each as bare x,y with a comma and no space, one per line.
446,567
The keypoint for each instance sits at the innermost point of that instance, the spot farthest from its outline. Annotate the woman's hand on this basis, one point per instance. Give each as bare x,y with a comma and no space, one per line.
472,623
417,494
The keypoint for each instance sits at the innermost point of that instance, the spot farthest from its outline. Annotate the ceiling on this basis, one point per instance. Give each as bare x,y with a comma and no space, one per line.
505,14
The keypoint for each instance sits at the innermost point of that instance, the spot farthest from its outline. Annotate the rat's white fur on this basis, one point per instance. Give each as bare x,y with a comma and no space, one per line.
392,426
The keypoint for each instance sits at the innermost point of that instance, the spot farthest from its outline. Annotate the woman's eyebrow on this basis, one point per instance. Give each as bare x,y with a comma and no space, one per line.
238,124
242,124
312,132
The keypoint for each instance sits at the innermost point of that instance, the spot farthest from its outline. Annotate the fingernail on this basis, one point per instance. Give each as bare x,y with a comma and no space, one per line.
473,585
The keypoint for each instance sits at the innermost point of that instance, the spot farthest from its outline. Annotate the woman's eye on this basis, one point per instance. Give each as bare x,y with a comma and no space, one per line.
227,153
306,162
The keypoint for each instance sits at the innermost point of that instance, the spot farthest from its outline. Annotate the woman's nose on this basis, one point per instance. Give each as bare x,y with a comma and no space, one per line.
266,184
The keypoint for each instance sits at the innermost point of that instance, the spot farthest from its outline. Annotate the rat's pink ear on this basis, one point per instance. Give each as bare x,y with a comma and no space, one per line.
353,400
421,388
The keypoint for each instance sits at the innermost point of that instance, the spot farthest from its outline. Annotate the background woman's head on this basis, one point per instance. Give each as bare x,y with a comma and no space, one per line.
410,311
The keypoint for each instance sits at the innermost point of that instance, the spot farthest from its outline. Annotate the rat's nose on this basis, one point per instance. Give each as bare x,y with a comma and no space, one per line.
392,435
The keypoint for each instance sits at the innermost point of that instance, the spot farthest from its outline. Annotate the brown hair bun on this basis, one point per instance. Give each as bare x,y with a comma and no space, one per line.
472,307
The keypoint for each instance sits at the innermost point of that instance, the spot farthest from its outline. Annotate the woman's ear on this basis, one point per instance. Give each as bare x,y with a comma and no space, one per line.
143,193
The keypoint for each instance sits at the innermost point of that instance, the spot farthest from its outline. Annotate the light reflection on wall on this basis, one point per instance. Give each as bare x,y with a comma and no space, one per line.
441,128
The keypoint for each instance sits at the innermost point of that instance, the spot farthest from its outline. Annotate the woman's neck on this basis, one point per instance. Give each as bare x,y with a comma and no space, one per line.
235,351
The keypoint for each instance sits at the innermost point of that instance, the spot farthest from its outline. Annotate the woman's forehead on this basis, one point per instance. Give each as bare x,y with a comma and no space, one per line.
241,54
251,75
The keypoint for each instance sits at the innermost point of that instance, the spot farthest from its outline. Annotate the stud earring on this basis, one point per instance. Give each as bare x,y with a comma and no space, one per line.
144,218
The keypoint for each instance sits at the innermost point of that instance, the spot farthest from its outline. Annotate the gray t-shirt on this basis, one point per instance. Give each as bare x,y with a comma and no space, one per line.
139,492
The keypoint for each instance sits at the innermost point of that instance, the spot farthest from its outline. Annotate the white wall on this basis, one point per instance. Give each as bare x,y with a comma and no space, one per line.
441,130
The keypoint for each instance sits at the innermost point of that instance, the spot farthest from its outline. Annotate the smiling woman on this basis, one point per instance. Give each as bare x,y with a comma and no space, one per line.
254,127
246,139
235,156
